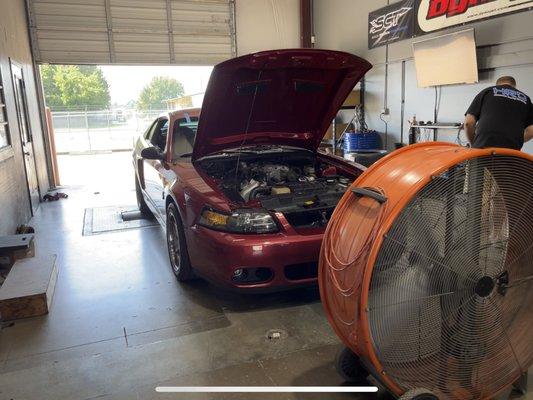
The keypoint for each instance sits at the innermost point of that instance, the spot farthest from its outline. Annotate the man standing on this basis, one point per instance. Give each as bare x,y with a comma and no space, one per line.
500,116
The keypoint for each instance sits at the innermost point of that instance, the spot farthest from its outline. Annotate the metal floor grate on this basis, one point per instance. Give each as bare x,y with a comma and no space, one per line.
113,219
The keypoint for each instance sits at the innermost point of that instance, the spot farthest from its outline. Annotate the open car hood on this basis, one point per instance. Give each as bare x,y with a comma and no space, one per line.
280,97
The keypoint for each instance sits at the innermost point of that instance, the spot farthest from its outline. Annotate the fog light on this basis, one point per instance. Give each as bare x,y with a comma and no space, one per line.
238,273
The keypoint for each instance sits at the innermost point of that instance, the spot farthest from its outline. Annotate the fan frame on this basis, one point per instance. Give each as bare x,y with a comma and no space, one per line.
363,344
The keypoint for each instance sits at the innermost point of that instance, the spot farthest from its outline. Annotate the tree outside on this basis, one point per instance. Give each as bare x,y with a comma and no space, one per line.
154,94
75,87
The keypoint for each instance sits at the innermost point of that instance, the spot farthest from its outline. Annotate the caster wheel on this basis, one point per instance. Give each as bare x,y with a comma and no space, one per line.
418,394
348,366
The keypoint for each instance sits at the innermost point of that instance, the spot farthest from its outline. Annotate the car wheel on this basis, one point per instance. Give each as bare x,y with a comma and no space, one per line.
141,203
177,247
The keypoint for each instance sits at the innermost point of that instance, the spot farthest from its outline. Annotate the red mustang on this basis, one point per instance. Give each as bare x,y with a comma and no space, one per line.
243,191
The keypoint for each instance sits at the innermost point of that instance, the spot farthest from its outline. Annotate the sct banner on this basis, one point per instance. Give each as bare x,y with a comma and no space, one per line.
391,23
434,15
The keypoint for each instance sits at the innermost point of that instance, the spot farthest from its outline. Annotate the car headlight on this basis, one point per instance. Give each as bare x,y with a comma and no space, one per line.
240,221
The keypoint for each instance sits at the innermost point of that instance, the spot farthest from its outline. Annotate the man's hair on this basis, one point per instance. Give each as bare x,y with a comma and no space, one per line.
506,80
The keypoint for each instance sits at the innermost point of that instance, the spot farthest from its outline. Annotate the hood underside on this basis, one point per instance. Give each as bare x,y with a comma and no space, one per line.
282,97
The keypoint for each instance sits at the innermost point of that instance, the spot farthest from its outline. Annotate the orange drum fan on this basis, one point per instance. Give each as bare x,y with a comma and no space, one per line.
426,272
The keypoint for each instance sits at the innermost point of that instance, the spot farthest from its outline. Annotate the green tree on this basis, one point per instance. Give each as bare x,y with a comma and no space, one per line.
159,89
75,86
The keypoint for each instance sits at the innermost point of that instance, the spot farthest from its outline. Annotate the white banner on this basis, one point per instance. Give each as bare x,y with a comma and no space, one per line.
434,15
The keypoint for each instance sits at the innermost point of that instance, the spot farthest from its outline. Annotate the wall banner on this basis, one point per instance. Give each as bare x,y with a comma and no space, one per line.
434,15
391,23
409,18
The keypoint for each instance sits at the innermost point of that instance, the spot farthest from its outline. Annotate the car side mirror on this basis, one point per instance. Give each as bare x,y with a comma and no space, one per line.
152,153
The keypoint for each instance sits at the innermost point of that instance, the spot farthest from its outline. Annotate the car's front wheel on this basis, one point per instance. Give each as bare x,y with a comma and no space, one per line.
177,247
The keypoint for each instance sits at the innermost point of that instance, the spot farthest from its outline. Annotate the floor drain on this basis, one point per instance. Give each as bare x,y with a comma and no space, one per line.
276,334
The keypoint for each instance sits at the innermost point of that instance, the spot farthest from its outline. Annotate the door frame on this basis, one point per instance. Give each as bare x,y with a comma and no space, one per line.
15,66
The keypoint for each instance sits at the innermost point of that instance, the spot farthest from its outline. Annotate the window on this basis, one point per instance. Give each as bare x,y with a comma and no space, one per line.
159,136
150,130
4,129
183,137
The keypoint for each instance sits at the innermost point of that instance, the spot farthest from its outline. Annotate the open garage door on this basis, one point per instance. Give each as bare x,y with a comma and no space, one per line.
184,32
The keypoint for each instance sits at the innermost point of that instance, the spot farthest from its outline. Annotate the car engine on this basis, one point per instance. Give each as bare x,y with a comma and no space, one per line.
305,190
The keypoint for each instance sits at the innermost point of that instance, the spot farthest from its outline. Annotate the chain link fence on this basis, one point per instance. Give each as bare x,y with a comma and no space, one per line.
104,130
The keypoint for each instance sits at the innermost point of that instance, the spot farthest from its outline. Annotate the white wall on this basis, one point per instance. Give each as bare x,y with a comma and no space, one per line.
267,25
342,25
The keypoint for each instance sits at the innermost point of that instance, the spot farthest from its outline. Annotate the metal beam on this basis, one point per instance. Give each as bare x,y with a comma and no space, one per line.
110,39
170,33
306,24
233,28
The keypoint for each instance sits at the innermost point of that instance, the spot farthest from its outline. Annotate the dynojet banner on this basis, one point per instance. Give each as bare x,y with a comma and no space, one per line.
410,18
434,15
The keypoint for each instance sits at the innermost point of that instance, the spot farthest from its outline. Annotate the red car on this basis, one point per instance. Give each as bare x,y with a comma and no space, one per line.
242,190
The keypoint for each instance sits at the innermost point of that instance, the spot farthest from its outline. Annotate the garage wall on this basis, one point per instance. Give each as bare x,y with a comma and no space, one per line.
342,25
14,44
267,25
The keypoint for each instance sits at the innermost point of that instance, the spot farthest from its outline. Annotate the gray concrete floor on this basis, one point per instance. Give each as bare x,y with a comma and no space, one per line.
120,324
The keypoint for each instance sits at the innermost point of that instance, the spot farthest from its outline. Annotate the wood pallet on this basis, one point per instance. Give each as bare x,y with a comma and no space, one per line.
29,288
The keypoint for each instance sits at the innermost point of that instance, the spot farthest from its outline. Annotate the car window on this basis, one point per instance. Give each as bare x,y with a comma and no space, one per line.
159,136
183,136
149,132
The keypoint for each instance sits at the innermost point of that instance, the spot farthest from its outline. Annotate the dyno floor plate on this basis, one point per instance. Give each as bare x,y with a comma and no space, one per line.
112,219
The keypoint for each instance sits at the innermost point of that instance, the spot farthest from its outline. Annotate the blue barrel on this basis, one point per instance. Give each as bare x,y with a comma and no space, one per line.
356,141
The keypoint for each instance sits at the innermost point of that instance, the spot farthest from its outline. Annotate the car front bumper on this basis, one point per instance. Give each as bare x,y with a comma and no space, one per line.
291,258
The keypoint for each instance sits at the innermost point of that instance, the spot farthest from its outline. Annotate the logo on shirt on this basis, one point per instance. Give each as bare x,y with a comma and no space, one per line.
510,94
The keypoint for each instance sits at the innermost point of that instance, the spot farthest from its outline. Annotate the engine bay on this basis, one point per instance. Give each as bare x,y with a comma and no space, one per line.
296,184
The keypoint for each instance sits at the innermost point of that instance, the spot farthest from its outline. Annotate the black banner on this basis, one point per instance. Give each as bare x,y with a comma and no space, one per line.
391,23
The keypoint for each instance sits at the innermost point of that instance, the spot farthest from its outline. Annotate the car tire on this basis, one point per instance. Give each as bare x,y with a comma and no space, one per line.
141,203
177,247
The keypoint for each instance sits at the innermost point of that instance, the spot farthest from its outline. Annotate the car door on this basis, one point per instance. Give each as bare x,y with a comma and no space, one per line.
154,170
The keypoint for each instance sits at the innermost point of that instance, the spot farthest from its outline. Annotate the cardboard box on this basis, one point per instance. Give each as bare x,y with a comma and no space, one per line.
340,129
353,99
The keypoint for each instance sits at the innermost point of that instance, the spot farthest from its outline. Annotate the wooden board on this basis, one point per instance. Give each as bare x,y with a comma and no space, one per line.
29,288
15,242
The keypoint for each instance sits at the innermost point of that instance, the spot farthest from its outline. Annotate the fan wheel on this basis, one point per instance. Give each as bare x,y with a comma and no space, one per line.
349,366
418,394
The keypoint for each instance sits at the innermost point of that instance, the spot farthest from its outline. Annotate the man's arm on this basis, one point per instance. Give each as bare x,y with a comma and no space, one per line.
528,133
470,127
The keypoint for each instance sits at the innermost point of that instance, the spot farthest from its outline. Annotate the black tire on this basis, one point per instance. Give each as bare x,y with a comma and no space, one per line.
177,247
349,366
141,203
418,394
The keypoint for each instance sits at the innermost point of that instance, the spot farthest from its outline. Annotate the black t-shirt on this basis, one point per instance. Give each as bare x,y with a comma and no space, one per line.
503,113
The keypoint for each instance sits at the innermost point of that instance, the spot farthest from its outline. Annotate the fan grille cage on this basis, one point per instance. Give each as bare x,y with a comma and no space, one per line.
449,304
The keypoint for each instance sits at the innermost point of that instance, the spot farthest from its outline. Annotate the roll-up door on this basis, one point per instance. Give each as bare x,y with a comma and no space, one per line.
183,32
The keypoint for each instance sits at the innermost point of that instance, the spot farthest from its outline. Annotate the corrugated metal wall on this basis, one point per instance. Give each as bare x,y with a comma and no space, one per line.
184,32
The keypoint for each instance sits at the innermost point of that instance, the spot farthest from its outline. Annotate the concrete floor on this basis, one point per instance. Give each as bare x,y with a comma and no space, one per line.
120,324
